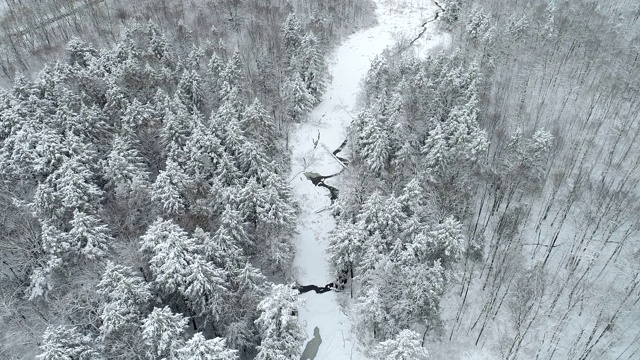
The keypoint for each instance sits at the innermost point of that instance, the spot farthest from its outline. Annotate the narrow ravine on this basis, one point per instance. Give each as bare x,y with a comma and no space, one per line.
315,169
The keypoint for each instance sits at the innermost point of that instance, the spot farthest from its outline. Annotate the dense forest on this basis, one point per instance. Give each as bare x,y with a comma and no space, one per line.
146,209
501,176
487,207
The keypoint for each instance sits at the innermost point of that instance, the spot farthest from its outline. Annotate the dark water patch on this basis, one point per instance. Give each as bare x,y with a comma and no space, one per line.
343,160
336,151
316,178
332,190
306,288
337,285
311,350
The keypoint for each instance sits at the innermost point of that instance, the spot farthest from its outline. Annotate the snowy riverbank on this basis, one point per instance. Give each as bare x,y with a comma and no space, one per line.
348,64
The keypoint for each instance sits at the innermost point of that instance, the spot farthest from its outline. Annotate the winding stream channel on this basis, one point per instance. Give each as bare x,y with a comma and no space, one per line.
326,312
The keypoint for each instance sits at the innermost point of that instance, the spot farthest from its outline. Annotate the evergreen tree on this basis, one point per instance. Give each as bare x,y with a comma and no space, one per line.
199,348
227,173
231,236
359,130
435,149
158,43
383,216
89,235
205,287
313,67
445,242
202,152
378,78
280,330
179,266
125,298
260,127
170,187
176,126
419,289
33,148
40,281
291,35
345,247
372,310
169,249
215,68
414,200
124,166
57,242
226,123
451,13
465,140
69,187
376,148
231,76
253,162
63,343
116,99
250,283
190,90
298,99
405,346
397,296
163,333
275,218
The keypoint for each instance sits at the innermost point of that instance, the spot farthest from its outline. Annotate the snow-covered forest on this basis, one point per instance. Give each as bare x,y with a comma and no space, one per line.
179,176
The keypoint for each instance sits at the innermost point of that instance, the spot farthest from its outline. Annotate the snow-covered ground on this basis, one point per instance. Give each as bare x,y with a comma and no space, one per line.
348,65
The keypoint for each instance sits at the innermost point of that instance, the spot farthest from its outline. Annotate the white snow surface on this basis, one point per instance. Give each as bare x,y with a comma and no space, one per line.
348,65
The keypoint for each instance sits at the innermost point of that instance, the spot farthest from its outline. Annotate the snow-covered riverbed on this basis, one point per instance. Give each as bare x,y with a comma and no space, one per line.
348,65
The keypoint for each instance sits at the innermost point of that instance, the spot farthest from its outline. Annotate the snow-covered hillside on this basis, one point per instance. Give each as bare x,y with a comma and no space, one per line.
311,145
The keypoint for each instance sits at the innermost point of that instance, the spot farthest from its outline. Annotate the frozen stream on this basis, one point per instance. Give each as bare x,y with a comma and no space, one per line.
348,65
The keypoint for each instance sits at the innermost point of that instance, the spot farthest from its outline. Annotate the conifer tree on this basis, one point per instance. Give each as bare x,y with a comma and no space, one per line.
61,343
313,67
298,99
202,152
170,187
253,162
176,126
231,76
179,266
376,148
74,186
158,43
231,236
345,247
89,235
226,123
227,173
260,127
190,90
124,166
378,78
199,348
280,330
445,242
292,35
126,297
215,67
163,333
405,346
435,149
